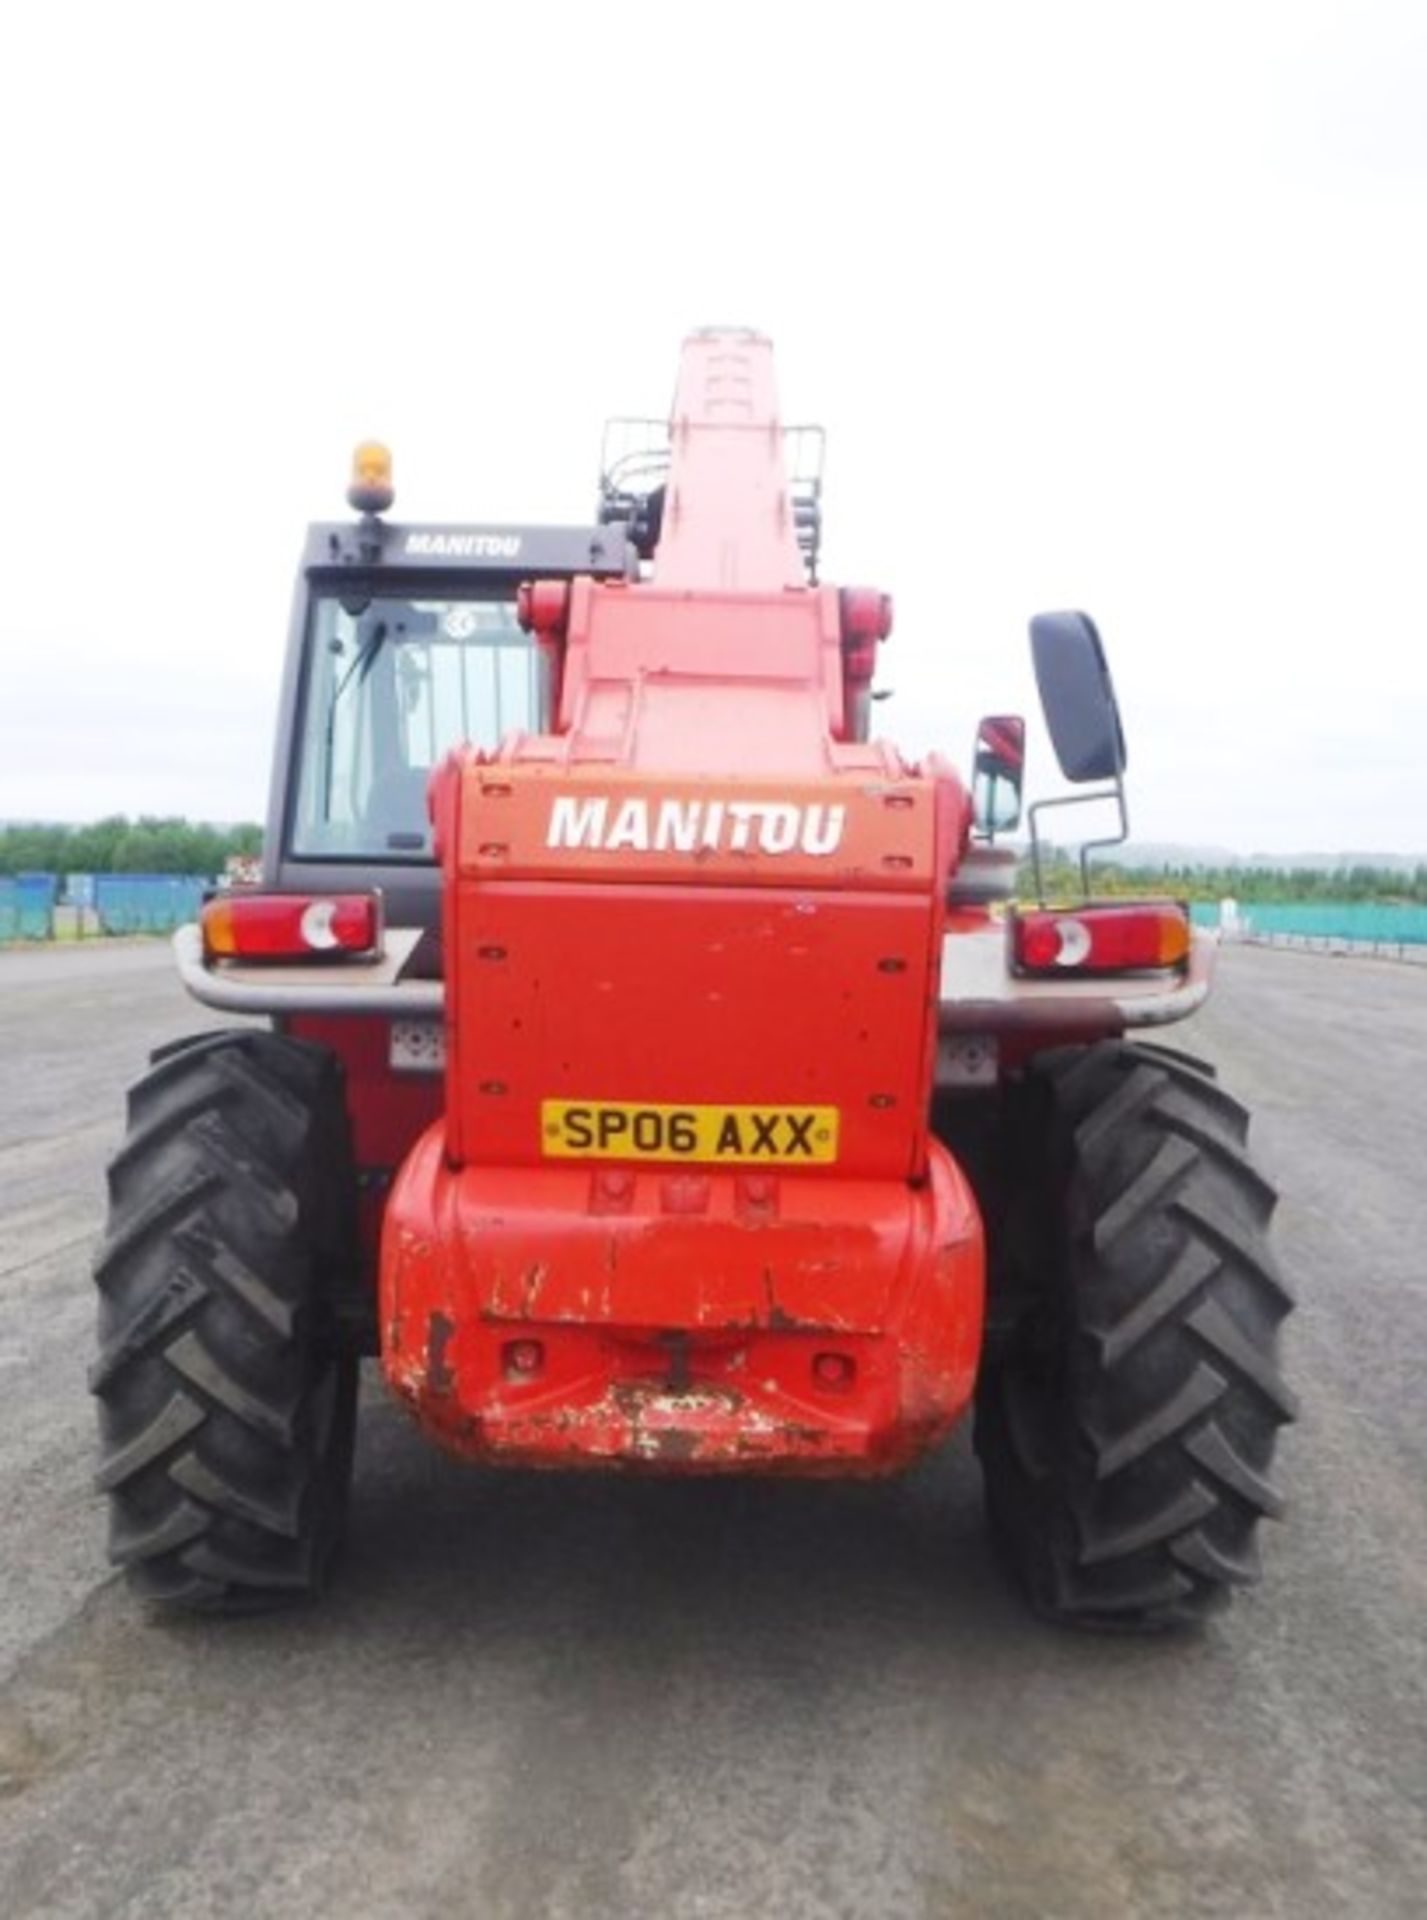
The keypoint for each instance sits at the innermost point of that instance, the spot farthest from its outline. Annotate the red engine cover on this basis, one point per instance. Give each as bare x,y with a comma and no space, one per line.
590,958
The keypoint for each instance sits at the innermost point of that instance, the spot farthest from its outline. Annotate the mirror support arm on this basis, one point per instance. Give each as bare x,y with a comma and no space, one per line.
1115,793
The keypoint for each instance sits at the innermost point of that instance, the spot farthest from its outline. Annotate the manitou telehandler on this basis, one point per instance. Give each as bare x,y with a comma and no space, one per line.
655,1072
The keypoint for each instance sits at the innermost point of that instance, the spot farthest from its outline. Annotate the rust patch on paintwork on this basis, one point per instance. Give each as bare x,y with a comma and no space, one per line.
778,1317
439,1377
653,1444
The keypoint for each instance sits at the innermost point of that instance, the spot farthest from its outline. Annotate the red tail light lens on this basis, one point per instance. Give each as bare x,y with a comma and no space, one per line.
292,926
1073,940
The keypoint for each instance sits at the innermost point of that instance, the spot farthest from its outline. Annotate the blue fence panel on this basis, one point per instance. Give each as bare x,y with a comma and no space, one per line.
147,902
27,905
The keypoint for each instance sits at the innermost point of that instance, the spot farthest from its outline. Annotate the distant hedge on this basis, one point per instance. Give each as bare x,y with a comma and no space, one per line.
120,845
1261,884
173,845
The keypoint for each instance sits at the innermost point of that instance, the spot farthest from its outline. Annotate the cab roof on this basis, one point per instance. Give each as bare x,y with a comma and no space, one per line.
484,555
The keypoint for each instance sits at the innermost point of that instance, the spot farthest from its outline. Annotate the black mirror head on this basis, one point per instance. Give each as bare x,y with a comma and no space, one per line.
1077,696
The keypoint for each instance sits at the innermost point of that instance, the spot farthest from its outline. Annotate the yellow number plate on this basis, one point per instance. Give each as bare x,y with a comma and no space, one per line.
736,1136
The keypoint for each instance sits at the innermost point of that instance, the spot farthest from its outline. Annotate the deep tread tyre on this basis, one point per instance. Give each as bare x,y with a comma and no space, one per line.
1127,1431
226,1405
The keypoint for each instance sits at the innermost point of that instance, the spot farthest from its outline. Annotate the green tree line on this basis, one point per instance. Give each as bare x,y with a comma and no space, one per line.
1262,884
120,845
151,844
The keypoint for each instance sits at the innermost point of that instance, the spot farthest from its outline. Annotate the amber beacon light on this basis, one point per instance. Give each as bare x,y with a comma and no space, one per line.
370,489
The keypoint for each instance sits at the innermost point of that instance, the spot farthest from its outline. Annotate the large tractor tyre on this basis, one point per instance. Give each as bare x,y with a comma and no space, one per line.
1127,1428
226,1402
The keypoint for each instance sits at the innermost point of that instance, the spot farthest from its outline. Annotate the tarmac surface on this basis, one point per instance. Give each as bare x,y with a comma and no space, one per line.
579,1696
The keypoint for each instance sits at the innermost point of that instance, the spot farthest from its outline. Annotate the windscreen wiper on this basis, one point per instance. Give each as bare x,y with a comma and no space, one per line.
369,644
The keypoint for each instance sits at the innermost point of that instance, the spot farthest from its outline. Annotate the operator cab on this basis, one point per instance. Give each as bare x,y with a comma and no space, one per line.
404,644
391,684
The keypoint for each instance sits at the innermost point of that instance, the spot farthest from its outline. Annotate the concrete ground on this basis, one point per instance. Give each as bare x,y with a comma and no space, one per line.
569,1696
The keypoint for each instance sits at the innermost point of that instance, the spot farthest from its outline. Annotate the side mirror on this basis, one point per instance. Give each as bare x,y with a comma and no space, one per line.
998,770
1077,697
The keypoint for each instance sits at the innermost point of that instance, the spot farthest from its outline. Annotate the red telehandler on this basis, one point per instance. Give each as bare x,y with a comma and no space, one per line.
654,1071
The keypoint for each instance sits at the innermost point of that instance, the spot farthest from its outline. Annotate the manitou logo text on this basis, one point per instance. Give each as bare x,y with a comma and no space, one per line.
465,546
694,826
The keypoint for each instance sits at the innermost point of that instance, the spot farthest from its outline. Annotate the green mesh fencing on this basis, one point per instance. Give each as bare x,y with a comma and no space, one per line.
1366,923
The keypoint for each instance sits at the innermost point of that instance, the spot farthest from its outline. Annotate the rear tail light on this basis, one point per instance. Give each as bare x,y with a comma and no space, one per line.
292,926
1064,940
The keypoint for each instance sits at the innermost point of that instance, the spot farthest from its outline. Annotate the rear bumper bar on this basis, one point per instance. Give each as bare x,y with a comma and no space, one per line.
978,996
357,987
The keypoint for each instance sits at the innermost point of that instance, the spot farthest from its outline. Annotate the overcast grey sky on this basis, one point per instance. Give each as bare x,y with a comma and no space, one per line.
1116,306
